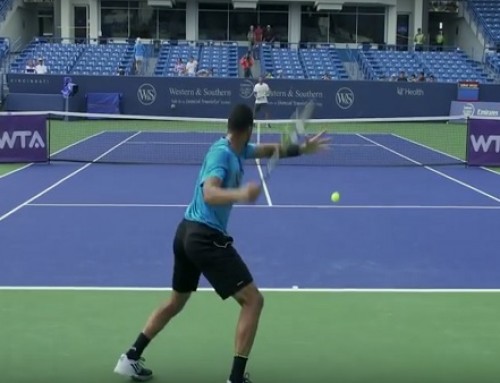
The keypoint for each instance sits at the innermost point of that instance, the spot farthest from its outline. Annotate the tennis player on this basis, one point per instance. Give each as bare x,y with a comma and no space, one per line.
202,244
261,92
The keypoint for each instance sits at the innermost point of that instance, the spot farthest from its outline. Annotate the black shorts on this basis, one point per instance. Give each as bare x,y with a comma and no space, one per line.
259,107
199,249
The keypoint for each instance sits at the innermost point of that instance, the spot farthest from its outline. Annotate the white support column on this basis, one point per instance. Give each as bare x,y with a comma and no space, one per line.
294,23
391,17
94,26
417,16
66,13
191,20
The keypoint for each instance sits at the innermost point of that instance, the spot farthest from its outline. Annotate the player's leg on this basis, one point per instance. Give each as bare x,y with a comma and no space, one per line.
185,280
228,274
266,114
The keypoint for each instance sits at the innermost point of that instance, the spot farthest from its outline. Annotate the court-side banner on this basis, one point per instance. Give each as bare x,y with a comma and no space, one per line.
483,142
214,97
23,139
475,109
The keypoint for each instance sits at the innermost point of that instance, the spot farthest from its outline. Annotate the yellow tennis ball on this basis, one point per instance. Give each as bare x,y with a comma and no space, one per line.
335,197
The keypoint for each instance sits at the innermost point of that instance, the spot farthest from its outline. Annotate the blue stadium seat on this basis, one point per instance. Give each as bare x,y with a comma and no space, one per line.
58,57
170,53
322,60
281,62
446,66
487,13
105,59
223,59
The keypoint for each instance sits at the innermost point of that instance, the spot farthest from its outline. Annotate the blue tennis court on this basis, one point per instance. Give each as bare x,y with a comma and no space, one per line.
397,227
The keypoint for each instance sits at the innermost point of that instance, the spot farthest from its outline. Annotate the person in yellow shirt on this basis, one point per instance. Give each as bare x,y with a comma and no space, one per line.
419,40
440,41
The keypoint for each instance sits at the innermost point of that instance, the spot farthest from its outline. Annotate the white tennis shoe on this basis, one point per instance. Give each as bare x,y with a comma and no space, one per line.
133,369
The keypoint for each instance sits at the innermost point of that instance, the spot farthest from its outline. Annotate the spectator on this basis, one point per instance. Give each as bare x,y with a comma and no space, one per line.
180,67
251,38
41,68
205,72
402,77
246,63
139,52
191,66
419,40
120,72
412,78
258,42
30,67
268,35
432,78
440,41
421,77
327,76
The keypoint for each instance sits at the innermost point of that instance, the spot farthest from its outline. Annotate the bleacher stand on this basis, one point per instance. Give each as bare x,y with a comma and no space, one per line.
321,61
223,59
281,62
170,53
86,59
487,13
446,66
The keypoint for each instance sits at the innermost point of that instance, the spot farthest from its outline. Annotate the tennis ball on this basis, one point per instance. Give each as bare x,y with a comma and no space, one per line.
335,197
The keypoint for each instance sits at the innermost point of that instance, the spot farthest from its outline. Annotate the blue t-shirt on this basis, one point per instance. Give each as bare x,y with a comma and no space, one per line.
222,162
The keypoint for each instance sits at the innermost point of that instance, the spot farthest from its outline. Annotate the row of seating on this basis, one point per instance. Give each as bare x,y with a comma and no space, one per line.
221,59
311,63
487,14
450,66
83,59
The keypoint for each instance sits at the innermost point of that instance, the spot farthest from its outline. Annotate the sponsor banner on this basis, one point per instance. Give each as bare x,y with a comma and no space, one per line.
23,139
474,109
483,142
214,97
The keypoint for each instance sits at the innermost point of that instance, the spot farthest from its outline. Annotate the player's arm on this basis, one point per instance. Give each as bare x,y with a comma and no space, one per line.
267,150
215,194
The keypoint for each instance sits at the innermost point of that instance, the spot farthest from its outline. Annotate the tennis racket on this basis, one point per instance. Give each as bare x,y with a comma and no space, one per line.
299,130
271,164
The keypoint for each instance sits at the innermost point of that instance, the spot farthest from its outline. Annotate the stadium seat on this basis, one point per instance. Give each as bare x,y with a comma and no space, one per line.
105,59
487,14
322,60
170,53
281,62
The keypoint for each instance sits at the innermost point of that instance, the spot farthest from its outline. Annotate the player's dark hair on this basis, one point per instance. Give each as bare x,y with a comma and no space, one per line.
240,119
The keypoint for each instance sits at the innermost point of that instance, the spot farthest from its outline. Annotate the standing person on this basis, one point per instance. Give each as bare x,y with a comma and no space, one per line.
139,53
261,91
246,63
202,245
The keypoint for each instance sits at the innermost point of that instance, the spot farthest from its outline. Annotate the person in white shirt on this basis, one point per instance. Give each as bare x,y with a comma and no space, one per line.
191,66
40,67
261,91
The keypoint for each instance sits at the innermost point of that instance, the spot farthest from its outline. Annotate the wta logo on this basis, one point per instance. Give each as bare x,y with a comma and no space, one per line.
482,144
22,139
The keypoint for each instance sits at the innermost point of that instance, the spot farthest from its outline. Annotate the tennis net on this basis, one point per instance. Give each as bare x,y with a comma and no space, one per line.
100,138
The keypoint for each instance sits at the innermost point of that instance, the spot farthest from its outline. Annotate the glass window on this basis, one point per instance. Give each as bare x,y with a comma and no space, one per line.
342,28
314,25
239,23
114,22
172,24
213,25
213,6
278,22
371,28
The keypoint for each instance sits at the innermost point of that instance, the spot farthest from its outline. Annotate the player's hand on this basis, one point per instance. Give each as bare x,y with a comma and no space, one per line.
250,192
315,144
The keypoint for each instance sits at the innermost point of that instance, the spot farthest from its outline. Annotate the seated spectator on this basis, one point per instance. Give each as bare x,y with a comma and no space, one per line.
191,66
421,77
30,67
205,72
40,67
412,78
180,67
402,76
326,76
431,78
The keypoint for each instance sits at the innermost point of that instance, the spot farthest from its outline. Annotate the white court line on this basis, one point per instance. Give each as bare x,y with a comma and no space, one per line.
464,184
393,207
54,185
443,153
264,289
56,152
210,143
